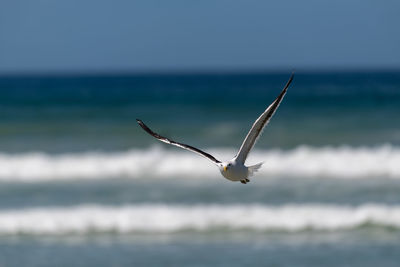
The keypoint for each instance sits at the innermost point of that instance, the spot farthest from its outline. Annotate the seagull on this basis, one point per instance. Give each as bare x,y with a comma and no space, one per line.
234,169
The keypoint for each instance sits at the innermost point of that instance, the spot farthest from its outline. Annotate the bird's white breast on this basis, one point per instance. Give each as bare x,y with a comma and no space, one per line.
235,172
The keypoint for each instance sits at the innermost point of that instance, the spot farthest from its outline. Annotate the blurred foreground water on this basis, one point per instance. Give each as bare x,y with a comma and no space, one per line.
83,185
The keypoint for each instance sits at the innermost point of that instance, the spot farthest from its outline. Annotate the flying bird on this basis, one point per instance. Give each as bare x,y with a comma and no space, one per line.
234,169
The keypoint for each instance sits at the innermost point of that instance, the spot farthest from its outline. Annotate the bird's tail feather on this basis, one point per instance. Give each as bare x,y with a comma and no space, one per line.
254,168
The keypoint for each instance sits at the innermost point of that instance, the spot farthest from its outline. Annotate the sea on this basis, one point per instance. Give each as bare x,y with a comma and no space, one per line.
81,184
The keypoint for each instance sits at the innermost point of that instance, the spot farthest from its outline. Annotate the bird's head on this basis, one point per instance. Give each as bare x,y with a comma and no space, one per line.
224,166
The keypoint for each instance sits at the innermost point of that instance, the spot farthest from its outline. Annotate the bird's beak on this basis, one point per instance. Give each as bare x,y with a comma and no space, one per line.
225,168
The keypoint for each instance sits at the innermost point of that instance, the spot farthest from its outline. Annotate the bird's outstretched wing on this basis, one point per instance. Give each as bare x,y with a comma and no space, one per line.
259,125
171,142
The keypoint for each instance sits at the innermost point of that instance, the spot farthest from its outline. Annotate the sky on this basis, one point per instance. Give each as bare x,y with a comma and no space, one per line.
58,36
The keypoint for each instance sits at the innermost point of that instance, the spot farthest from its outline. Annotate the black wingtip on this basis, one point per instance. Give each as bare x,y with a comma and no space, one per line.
141,124
289,81
147,129
291,77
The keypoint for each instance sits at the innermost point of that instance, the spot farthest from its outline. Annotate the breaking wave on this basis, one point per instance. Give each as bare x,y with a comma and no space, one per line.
304,161
158,218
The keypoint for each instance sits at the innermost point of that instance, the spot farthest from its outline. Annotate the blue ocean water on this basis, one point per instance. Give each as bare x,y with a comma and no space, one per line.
82,184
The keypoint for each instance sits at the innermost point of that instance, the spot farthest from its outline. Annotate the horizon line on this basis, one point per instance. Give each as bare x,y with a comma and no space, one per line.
209,71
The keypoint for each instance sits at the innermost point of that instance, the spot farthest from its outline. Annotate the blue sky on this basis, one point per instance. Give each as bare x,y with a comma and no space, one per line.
184,35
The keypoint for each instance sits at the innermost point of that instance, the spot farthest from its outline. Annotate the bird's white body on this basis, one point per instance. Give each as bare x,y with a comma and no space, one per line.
234,170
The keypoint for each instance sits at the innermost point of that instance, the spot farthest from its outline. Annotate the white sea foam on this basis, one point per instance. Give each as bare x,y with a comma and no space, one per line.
156,162
157,218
